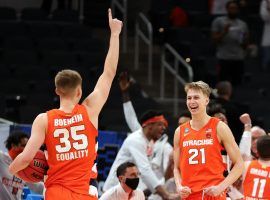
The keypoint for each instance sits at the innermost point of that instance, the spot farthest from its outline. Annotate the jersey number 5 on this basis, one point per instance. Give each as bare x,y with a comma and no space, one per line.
80,143
195,155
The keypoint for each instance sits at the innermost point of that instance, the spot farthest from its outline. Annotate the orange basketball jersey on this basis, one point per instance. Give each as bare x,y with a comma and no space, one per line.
201,164
257,182
72,150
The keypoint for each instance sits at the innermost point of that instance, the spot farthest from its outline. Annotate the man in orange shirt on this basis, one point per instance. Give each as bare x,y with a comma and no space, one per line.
70,132
198,144
256,177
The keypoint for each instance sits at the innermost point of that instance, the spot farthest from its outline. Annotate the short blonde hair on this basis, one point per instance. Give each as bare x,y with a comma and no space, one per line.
199,85
67,80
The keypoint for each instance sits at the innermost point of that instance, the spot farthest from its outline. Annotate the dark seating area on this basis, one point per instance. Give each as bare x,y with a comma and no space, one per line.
32,49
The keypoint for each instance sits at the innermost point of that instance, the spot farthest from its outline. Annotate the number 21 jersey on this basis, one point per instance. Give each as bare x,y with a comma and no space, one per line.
200,161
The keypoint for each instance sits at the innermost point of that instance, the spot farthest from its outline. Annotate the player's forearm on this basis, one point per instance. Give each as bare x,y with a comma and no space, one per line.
18,164
131,117
235,173
112,57
245,143
177,177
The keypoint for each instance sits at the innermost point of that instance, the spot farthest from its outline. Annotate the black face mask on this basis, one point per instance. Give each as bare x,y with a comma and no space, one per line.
132,183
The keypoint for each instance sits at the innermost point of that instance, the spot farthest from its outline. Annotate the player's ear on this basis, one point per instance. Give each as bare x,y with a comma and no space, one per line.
207,101
121,178
57,91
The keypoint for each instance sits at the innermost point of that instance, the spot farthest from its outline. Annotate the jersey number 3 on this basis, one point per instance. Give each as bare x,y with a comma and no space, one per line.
195,155
80,140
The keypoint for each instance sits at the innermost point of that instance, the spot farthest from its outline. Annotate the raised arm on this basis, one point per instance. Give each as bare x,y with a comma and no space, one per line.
34,143
245,142
129,112
95,101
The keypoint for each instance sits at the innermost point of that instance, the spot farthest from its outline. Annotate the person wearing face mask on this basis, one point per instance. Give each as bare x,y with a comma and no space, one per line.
138,148
128,176
11,186
230,35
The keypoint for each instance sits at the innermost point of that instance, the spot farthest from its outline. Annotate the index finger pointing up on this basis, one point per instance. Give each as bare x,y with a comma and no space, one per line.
110,14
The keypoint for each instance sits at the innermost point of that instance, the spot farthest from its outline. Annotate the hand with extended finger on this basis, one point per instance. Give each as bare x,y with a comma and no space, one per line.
115,24
184,191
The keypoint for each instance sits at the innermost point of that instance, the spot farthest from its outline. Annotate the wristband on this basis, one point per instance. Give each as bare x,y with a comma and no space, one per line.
248,125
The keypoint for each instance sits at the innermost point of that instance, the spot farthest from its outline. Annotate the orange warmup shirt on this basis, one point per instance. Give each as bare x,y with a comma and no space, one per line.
201,164
72,150
257,182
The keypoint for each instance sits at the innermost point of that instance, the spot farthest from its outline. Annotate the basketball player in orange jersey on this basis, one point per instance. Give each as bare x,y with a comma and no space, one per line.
256,176
70,131
198,143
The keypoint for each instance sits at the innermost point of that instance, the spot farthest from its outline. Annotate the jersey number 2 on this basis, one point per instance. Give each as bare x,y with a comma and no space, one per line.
195,155
80,143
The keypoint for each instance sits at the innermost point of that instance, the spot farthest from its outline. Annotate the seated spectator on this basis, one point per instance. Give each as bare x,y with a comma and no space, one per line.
128,176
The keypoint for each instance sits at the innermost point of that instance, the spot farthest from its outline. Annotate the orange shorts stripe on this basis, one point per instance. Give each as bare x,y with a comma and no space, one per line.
61,193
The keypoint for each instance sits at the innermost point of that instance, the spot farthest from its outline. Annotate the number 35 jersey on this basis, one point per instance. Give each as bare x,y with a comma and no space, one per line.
200,161
72,150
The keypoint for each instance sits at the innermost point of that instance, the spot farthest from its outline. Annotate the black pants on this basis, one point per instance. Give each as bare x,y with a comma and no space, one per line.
231,70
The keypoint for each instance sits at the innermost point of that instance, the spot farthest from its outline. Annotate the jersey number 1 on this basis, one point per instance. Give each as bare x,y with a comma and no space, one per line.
80,143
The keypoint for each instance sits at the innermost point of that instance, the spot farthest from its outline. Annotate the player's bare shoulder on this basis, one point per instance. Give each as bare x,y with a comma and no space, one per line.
41,120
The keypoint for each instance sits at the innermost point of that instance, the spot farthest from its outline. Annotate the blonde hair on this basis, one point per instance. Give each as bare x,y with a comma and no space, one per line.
67,80
199,85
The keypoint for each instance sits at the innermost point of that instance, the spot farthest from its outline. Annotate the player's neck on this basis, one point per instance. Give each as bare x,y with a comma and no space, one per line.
264,162
199,121
67,105
127,189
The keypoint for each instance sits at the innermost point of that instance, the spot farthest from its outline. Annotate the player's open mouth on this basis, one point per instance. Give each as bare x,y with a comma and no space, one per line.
193,108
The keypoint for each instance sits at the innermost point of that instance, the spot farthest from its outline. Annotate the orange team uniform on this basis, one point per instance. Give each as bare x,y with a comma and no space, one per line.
72,150
257,182
200,163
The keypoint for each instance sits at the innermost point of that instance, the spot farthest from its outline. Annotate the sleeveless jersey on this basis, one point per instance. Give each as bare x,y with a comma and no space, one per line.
257,182
72,150
201,164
